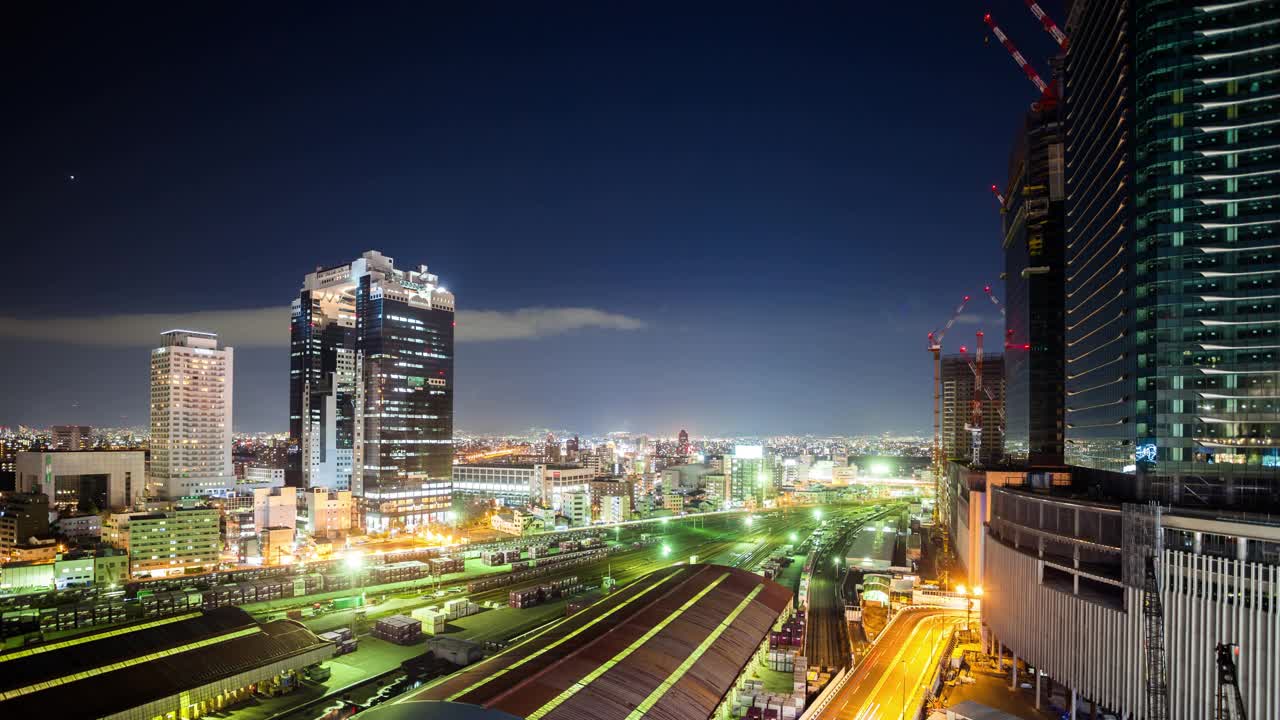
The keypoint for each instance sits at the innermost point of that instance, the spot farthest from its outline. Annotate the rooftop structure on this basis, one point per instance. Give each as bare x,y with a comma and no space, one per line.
183,666
670,645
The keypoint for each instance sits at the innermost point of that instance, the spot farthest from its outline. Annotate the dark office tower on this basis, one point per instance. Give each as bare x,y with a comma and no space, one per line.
683,442
958,372
1101,364
1033,245
373,371
322,382
1171,243
571,449
551,448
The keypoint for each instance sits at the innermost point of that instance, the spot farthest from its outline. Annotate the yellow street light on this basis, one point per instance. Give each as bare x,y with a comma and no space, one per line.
977,592
962,589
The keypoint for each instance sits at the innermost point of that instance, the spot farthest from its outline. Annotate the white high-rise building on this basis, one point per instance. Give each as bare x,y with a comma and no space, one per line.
191,415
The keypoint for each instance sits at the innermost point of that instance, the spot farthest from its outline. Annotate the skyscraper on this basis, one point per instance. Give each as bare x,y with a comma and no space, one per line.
1172,268
191,385
1033,281
323,387
371,378
682,442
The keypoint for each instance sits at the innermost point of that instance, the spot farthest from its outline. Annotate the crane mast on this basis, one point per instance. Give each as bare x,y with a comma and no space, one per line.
975,407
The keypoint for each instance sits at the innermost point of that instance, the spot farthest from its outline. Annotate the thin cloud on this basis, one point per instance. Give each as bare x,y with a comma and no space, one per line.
269,327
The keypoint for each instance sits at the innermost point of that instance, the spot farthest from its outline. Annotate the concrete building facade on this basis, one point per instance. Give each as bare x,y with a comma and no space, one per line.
191,392
167,543
84,480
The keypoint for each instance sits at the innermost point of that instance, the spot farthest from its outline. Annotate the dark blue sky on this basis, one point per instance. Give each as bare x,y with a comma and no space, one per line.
787,196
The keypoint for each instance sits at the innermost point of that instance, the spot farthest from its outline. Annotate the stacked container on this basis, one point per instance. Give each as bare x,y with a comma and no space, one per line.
430,621
398,629
446,565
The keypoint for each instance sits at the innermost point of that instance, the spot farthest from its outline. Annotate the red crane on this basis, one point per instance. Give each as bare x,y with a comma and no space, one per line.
1050,26
999,195
935,347
991,296
1047,94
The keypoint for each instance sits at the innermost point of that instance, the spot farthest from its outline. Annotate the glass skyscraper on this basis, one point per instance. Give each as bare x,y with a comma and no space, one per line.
372,385
1172,367
1033,280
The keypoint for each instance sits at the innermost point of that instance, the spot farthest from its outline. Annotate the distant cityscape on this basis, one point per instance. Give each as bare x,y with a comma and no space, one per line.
1090,526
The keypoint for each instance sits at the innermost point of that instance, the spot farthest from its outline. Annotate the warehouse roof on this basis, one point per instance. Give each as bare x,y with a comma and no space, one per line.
112,670
669,645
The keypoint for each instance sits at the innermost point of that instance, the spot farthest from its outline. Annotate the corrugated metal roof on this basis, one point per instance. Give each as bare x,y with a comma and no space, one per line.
112,674
667,646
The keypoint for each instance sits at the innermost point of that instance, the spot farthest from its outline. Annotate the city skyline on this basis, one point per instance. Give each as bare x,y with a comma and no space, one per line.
578,283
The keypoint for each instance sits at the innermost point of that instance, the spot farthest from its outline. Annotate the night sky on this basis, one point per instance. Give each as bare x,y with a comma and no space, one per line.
740,218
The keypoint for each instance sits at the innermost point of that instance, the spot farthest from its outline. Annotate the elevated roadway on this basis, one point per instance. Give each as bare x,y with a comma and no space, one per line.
895,674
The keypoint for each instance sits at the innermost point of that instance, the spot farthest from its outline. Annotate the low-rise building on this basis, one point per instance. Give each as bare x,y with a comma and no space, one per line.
23,517
522,483
88,480
79,527
673,501
717,489
259,477
275,545
169,542
577,507
328,512
614,508
514,522
275,507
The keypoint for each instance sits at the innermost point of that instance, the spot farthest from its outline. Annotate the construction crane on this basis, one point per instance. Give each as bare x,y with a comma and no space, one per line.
1230,702
975,407
935,347
994,300
1047,22
1048,96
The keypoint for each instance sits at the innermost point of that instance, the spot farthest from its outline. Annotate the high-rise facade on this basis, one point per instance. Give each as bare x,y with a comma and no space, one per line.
1033,252
71,437
191,389
371,389
323,387
1100,358
958,374
749,475
1172,306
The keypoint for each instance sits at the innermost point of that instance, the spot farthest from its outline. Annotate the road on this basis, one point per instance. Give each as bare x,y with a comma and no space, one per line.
896,673
827,637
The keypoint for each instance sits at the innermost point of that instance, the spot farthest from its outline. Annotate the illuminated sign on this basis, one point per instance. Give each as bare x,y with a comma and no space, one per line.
1145,453
415,381
748,452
